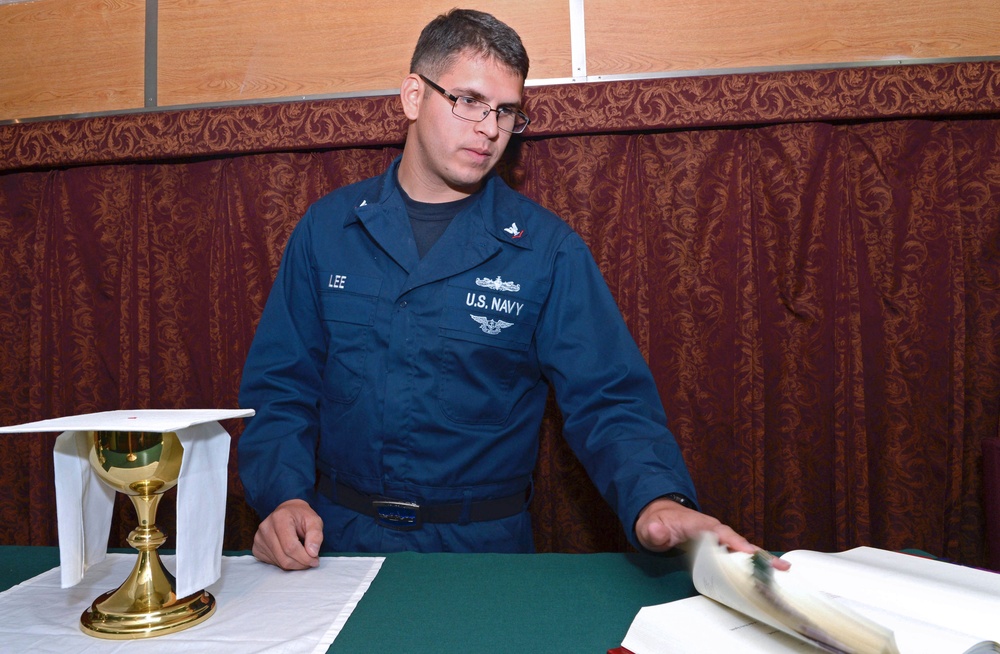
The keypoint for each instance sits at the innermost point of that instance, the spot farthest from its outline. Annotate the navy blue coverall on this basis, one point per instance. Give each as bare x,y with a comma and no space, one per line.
426,379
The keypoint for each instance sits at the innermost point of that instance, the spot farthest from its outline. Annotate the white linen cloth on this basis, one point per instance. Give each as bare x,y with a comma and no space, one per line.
260,609
84,504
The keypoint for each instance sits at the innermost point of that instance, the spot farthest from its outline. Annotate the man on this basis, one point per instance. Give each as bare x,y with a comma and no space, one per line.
402,363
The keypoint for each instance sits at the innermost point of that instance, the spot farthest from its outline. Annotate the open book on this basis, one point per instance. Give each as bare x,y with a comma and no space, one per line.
862,601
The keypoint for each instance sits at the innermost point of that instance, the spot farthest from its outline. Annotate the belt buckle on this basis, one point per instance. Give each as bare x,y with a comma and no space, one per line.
397,514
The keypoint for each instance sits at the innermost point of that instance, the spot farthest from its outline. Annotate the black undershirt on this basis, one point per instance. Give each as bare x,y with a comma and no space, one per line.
429,220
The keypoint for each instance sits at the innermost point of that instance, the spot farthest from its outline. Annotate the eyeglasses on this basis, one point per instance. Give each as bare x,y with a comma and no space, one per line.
468,108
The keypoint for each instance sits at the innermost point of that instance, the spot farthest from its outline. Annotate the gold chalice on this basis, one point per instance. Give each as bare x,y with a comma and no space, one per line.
142,465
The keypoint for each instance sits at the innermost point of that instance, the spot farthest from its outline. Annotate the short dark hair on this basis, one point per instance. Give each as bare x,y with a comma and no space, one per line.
467,30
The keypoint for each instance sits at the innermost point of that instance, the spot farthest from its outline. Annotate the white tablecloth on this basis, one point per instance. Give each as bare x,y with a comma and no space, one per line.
259,609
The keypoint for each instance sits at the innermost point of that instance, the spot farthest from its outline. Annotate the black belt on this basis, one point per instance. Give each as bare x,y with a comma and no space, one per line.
406,515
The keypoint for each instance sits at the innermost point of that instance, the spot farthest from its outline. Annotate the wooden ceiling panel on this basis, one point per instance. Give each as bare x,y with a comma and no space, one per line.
60,57
232,50
628,37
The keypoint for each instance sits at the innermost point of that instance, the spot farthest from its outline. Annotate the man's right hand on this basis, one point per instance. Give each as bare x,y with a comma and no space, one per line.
290,537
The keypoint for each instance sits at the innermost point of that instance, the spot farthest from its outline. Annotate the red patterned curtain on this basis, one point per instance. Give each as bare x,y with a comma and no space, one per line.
810,261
